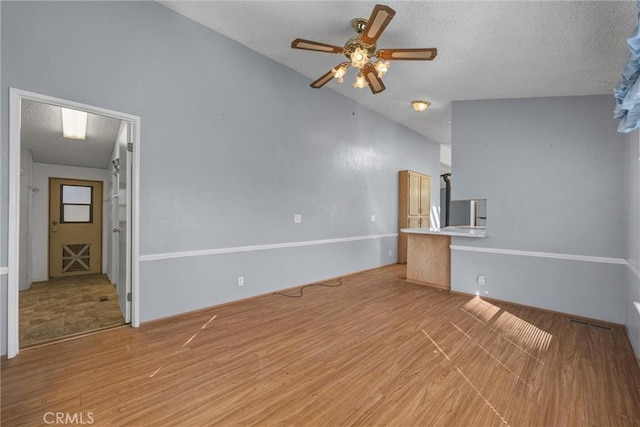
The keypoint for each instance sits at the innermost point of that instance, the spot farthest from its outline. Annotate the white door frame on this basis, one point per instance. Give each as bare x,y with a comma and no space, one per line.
15,99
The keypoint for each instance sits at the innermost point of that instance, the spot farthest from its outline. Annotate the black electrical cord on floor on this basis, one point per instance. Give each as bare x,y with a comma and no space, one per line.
308,286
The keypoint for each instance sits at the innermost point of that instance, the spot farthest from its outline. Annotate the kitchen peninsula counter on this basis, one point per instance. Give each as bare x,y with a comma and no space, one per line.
429,255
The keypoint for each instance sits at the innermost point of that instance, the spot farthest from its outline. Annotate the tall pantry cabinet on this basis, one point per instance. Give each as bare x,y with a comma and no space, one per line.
413,207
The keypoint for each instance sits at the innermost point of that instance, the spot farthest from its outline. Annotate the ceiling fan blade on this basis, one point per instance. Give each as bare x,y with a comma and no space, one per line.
322,80
380,18
371,76
315,46
418,54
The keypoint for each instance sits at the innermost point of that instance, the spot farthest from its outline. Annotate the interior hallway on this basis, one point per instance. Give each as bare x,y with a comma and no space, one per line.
61,308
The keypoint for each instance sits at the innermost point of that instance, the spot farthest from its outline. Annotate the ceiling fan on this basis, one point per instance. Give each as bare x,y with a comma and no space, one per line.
361,48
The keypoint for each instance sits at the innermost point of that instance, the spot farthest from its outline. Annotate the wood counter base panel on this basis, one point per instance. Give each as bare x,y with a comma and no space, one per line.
375,351
429,260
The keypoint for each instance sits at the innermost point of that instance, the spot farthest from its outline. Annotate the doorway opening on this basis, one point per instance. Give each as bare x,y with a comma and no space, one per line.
73,220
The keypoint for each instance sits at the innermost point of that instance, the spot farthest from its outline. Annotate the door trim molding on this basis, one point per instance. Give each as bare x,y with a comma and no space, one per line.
15,99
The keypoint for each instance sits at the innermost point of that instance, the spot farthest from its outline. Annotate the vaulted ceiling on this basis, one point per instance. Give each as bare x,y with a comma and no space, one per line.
486,49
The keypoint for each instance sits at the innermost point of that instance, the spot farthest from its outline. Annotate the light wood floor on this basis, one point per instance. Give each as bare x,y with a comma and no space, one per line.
60,308
374,351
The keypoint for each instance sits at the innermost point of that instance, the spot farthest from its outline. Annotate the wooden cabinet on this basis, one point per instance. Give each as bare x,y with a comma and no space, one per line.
413,207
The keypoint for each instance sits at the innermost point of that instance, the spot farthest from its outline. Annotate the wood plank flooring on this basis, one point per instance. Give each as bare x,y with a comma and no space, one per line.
374,351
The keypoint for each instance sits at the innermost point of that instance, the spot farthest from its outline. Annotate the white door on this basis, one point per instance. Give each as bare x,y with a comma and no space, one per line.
115,232
120,220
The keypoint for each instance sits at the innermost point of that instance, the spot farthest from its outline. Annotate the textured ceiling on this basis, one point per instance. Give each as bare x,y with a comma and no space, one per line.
486,49
41,132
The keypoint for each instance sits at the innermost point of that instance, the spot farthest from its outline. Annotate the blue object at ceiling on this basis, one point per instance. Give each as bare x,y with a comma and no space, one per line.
627,92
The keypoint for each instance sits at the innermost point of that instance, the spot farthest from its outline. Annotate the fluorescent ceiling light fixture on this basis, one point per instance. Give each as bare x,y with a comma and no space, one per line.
420,106
74,124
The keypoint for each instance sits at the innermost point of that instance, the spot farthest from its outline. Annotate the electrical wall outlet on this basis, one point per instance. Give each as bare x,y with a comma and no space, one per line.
481,280
373,218
240,280
486,293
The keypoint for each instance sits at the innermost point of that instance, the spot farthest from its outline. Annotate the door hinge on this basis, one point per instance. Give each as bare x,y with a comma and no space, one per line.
130,147
129,297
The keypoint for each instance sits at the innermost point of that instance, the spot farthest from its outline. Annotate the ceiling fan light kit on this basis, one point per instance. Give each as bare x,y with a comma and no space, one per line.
360,82
381,67
360,50
340,71
359,57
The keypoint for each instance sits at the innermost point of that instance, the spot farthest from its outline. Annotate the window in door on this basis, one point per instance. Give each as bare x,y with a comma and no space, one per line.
75,204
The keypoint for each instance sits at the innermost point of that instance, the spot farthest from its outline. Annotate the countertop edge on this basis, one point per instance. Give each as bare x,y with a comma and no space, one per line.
473,233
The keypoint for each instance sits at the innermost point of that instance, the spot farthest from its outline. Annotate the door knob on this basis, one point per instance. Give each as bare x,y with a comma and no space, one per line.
115,230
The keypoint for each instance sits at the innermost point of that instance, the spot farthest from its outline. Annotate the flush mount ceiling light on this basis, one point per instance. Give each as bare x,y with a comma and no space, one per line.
361,50
74,124
420,106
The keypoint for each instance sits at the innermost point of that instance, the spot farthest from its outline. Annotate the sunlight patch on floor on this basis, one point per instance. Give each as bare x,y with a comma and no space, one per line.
524,333
480,309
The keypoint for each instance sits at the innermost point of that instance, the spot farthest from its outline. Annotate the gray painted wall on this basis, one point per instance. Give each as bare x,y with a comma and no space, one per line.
552,172
4,197
459,214
233,145
632,318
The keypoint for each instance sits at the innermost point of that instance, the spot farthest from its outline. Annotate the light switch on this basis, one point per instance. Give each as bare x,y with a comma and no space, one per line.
297,218
373,218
